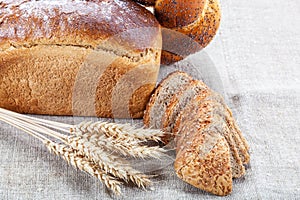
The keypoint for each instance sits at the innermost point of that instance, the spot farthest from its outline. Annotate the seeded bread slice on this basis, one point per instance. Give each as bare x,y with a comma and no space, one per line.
238,138
205,163
207,115
162,96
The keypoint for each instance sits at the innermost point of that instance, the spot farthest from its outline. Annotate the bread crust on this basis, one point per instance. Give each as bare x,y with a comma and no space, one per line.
44,45
208,170
200,23
78,23
186,12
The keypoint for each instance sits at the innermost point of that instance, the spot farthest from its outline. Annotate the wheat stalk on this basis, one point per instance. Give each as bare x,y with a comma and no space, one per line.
105,135
94,147
121,131
107,160
83,163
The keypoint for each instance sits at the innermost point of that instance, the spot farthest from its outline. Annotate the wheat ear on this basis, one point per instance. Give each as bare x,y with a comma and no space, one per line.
119,131
110,163
92,147
78,161
109,136
83,163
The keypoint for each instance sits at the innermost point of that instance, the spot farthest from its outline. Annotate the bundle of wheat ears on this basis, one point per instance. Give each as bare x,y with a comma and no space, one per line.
98,148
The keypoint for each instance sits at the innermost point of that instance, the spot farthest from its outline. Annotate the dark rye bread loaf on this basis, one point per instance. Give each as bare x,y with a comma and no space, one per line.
66,57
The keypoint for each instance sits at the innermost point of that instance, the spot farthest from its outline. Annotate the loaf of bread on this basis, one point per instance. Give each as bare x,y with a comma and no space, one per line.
69,57
199,120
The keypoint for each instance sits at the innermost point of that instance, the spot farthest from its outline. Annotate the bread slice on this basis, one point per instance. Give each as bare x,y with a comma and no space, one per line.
208,115
162,96
244,147
204,162
239,139
180,100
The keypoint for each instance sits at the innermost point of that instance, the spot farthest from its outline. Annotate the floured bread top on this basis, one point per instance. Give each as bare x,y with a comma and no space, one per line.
25,23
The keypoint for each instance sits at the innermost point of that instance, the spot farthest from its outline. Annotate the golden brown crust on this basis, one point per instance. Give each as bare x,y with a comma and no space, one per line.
41,80
208,170
44,45
202,30
79,23
186,12
139,99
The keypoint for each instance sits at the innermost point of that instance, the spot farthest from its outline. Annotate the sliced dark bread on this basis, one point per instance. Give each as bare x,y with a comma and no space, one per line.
162,96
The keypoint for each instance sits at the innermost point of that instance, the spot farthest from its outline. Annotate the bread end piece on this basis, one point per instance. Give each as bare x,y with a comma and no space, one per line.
210,172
